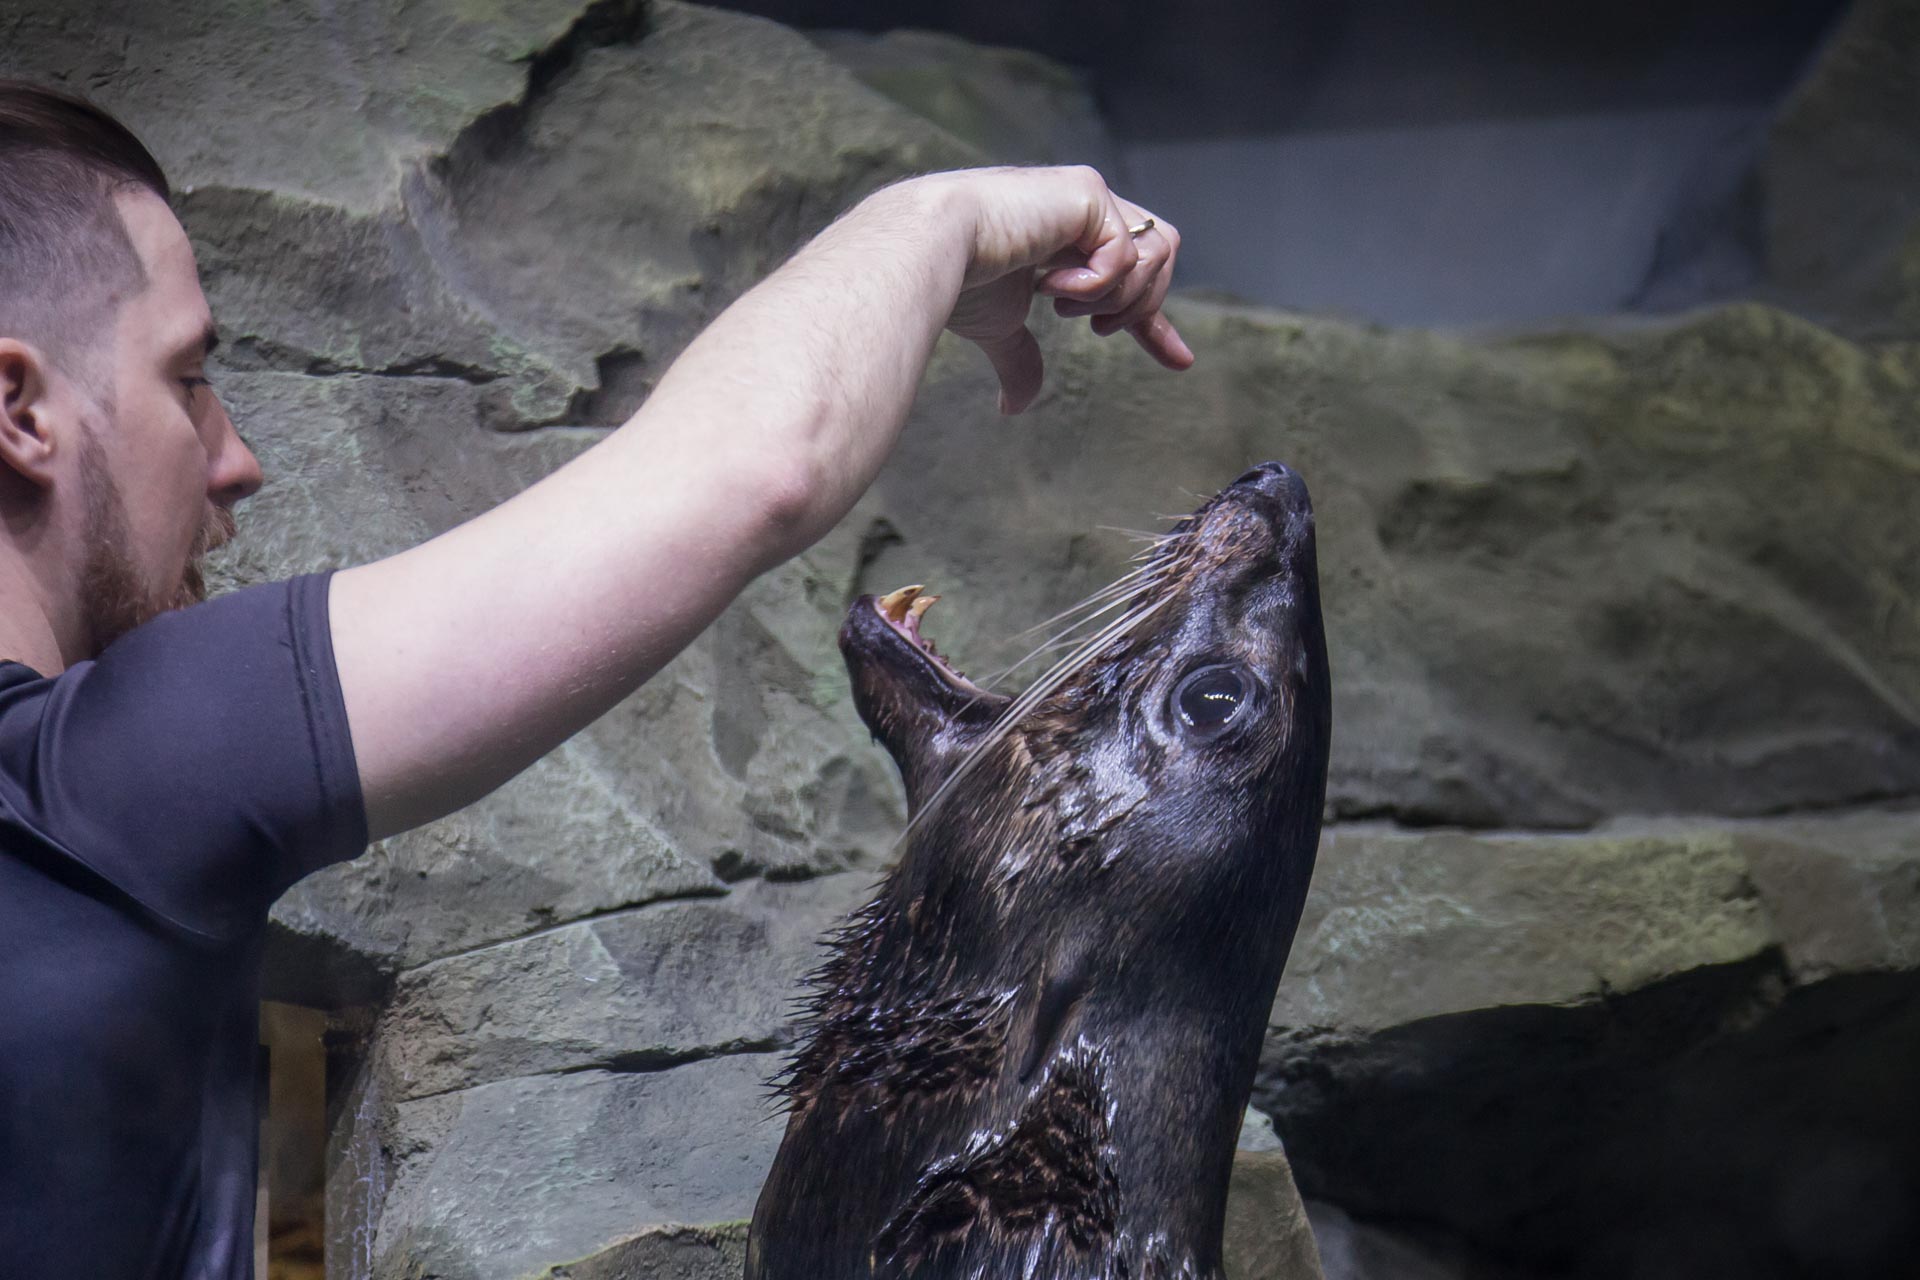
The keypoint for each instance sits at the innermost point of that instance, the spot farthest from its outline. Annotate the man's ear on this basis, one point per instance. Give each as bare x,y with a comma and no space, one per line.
28,438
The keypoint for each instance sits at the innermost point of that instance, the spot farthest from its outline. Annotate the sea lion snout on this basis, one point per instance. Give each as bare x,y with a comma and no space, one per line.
1281,495
1277,480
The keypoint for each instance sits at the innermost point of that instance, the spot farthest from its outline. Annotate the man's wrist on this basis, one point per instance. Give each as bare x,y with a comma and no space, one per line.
938,212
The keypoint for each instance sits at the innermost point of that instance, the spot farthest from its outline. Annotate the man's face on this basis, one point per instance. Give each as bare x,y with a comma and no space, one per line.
160,467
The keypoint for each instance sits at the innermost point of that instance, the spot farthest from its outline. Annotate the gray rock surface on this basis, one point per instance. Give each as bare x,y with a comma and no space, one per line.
1841,178
637,990
1404,925
514,1177
1655,586
1267,1234
1011,105
314,100
669,1253
1521,1043
1256,1131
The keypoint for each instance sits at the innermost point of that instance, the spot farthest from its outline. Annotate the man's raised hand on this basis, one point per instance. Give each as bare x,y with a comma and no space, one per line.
1061,233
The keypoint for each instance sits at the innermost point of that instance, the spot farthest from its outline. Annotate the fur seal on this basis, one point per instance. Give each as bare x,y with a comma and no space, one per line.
1028,1055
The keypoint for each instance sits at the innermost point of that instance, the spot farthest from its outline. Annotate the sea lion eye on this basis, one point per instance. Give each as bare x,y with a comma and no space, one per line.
1210,699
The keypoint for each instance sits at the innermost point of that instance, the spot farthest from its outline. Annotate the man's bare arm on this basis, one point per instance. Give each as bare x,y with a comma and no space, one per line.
466,658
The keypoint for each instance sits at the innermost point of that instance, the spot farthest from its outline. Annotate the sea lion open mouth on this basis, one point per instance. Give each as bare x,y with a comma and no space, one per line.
1029,1053
902,610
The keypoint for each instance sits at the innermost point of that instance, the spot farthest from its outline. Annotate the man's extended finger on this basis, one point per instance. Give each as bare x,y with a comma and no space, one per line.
1142,304
1163,342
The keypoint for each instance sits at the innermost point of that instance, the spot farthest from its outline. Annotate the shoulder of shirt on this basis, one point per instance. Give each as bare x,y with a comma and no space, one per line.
14,673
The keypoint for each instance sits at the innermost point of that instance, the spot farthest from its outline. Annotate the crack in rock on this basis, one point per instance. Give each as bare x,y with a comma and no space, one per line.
636,1062
264,355
496,132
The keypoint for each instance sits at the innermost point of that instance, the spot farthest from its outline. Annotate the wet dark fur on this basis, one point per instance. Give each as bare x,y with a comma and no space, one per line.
1030,1052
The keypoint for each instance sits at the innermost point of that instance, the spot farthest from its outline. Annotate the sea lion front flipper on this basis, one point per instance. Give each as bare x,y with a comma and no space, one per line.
1060,992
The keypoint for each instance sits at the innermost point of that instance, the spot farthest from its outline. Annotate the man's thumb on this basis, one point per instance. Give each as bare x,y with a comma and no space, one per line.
1016,359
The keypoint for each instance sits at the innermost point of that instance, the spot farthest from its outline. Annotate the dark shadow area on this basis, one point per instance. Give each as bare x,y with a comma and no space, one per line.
1474,162
291,1211
1224,66
323,1172
1717,1124
319,971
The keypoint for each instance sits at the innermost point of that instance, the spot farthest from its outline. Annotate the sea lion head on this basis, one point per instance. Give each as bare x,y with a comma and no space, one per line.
1033,1047
1182,742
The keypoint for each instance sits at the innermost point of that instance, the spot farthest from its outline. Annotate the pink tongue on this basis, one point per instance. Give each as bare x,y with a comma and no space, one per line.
911,625
907,620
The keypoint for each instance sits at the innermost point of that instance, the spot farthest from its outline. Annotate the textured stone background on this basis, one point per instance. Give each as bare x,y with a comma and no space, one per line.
1609,967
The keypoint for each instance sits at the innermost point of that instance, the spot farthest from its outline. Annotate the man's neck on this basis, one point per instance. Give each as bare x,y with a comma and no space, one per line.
28,632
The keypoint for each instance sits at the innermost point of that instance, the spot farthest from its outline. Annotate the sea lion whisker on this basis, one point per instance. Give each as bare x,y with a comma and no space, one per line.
1118,584
1089,645
1038,692
1066,669
1147,564
1010,718
1073,631
1154,539
1159,547
1135,535
1063,641
1066,636
1126,583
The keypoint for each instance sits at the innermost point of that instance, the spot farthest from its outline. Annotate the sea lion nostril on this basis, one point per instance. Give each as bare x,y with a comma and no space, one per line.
1279,481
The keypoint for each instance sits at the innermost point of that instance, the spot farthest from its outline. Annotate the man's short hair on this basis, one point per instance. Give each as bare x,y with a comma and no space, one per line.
65,260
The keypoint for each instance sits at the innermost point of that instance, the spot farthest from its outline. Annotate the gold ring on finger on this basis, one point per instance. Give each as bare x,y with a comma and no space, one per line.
1142,229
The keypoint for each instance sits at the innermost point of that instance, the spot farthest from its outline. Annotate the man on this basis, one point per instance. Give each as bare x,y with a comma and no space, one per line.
166,772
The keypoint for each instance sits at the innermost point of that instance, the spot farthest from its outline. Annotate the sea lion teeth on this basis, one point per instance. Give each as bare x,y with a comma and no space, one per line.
894,604
918,609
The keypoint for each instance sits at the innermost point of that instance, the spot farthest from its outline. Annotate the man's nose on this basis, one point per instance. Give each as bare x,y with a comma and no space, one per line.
234,473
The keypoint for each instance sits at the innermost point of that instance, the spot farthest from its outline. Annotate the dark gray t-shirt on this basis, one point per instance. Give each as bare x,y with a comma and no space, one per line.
153,804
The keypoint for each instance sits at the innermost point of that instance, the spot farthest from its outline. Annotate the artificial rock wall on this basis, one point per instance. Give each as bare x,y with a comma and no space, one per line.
1609,968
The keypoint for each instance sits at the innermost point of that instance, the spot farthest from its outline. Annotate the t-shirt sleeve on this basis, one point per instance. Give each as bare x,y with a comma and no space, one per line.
202,763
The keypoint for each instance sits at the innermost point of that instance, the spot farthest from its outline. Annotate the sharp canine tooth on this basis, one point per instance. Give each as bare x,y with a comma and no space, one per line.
920,606
894,603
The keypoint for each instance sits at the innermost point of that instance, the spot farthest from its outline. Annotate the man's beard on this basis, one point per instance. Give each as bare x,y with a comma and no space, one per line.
113,600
